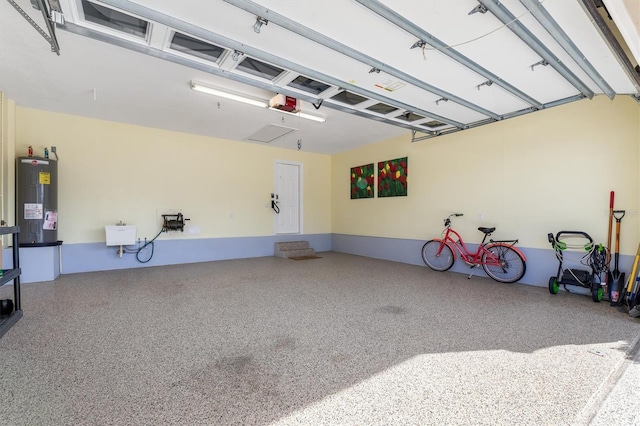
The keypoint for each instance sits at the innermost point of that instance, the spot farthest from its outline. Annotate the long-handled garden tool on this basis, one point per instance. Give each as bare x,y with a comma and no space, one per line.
608,278
627,291
634,307
617,283
632,301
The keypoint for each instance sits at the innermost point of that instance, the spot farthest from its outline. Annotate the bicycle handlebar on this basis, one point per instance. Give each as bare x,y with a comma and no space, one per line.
447,221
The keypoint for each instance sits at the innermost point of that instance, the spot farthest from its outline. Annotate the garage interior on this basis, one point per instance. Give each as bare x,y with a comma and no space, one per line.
522,114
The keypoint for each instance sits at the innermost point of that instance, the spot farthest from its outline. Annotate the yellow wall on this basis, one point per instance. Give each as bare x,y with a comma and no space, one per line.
7,137
110,172
531,175
538,173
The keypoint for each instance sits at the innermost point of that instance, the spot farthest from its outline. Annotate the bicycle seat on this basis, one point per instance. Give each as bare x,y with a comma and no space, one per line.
486,230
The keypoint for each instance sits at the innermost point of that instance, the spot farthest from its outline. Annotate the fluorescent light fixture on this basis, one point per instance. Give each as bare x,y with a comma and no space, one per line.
302,115
312,117
249,101
227,95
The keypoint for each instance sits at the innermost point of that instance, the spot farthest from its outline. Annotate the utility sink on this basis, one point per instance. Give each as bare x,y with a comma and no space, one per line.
120,235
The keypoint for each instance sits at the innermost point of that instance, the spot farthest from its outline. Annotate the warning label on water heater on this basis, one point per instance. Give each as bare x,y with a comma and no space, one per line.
33,211
50,221
44,178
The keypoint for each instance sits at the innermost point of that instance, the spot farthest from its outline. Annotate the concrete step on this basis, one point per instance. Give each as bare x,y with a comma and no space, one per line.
297,253
292,245
289,249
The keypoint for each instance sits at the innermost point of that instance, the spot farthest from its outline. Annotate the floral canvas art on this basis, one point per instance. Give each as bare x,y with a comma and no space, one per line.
362,181
392,177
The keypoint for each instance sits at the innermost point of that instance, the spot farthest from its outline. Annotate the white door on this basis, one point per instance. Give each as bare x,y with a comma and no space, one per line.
288,186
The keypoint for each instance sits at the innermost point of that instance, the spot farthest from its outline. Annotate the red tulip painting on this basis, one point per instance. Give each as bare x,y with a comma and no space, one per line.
392,178
362,181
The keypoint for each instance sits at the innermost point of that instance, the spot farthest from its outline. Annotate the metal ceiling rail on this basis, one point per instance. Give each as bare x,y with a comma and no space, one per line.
228,43
598,21
51,37
507,18
160,54
483,122
546,20
422,35
315,36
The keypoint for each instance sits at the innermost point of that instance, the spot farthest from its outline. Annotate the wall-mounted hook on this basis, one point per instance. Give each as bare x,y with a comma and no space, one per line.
486,83
479,8
542,62
259,23
442,100
419,43
274,203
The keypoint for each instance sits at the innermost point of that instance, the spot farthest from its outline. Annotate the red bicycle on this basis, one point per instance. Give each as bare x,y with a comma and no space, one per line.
499,259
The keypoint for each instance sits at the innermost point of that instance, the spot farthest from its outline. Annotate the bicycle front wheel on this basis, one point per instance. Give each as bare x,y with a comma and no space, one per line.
503,264
437,255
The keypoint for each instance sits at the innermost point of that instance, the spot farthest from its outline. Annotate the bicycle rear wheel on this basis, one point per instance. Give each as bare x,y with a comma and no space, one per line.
511,265
435,258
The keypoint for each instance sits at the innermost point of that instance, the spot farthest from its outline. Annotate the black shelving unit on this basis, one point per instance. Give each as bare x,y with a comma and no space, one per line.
12,275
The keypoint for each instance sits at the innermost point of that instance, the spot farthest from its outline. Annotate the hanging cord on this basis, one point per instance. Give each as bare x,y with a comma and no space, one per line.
138,250
299,132
451,46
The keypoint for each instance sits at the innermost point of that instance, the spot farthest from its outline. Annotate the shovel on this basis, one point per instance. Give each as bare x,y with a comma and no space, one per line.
617,283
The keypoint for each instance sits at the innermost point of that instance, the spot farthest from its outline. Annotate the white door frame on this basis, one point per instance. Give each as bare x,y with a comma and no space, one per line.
300,193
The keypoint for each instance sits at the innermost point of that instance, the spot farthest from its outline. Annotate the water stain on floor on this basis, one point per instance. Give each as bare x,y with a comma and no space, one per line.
391,309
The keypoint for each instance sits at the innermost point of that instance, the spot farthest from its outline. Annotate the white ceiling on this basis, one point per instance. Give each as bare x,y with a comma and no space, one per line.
482,72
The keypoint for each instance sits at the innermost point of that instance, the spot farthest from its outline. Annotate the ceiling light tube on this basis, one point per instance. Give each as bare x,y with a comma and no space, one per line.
303,115
249,101
226,95
312,117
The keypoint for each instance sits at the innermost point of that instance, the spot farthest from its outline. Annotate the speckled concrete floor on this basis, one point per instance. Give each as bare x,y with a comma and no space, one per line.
342,340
